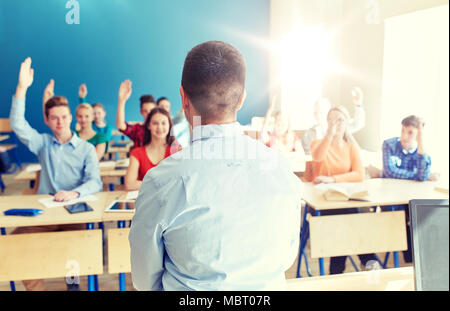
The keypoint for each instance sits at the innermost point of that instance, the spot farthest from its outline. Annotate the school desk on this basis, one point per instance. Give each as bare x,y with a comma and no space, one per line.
361,233
399,279
50,255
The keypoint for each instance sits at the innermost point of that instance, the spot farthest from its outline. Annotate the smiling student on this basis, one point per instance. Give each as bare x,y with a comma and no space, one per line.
158,145
69,164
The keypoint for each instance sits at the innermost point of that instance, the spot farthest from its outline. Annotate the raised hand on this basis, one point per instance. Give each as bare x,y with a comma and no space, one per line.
357,96
125,91
26,74
49,91
82,91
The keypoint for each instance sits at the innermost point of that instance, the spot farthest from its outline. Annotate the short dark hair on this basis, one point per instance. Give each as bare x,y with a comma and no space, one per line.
161,99
55,101
99,105
147,132
214,78
147,98
411,121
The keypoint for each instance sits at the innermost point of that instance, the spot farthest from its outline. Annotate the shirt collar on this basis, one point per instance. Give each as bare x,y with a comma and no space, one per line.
216,131
74,141
406,152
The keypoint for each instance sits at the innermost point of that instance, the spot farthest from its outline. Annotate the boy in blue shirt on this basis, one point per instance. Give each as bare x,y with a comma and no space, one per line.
69,164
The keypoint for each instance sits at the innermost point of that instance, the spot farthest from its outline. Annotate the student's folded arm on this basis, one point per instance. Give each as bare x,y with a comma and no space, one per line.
423,167
91,182
390,169
319,149
26,134
146,240
131,177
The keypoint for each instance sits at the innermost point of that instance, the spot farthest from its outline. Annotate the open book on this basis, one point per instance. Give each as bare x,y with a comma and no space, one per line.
344,191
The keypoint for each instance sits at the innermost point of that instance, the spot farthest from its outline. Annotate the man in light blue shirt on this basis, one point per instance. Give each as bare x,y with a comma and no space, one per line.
69,164
223,213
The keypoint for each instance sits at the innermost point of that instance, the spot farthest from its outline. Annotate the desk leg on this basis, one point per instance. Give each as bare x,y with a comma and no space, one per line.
396,262
303,240
91,278
122,285
321,268
11,284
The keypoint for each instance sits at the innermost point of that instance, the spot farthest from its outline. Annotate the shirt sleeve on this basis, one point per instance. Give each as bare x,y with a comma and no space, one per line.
359,120
390,170
130,131
26,134
91,182
293,232
146,238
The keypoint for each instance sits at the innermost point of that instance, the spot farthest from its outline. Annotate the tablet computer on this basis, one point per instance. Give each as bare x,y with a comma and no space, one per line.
78,208
121,207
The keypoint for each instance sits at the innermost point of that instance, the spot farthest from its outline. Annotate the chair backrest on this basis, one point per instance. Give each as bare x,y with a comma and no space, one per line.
118,251
50,255
34,190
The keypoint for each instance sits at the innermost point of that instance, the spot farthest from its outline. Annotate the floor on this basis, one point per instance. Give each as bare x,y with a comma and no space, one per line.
110,282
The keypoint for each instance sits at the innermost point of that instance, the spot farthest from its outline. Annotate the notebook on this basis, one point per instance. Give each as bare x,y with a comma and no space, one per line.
344,191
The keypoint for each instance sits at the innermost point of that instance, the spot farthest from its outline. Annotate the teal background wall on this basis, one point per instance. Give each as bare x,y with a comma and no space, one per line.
142,40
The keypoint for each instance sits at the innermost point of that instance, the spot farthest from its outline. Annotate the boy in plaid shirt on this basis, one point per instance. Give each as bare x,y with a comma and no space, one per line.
404,157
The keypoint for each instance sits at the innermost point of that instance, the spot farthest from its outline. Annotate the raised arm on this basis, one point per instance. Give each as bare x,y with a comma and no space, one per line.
124,94
265,127
359,119
27,135
131,177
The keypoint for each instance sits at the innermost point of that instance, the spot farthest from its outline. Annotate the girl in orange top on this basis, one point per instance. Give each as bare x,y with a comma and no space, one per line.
336,157
158,145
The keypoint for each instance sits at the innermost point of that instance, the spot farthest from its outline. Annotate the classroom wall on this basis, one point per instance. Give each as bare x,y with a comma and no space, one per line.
363,48
145,41
358,47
